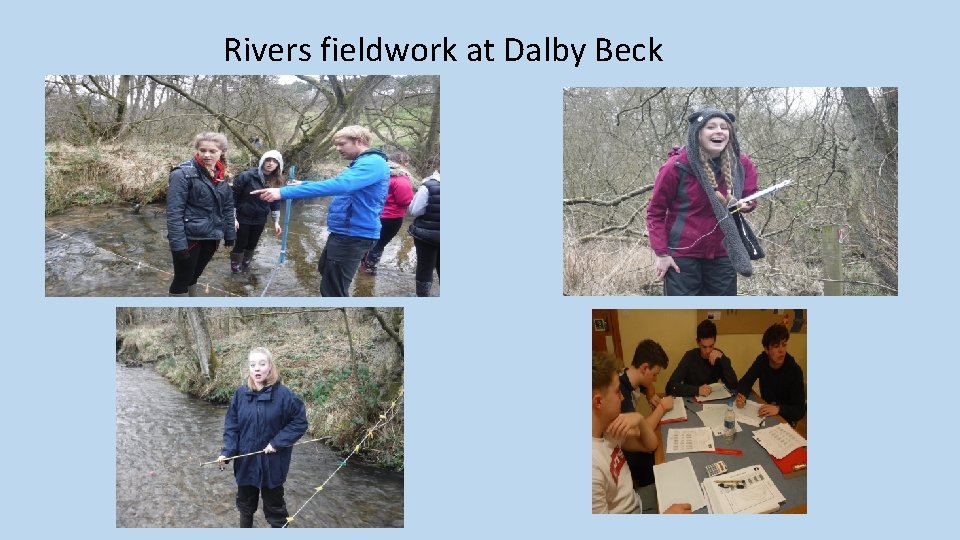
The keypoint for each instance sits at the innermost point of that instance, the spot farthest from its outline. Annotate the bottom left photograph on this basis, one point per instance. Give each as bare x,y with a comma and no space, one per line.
259,417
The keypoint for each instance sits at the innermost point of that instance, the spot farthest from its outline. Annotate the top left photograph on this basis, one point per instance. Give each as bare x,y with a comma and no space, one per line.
242,185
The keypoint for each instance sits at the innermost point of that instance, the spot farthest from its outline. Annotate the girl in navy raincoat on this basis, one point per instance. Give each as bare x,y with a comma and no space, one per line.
264,416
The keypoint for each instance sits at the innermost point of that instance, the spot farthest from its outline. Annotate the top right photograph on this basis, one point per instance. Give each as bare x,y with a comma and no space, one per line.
730,191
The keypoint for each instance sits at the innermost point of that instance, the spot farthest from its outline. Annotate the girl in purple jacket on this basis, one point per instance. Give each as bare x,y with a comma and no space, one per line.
698,249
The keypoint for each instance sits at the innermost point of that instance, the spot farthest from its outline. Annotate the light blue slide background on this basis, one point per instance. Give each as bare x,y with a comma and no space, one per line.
496,415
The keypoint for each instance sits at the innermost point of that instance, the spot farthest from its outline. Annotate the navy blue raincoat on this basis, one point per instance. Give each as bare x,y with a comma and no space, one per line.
273,415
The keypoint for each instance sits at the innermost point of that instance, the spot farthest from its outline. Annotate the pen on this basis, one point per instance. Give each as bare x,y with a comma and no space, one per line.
728,451
739,484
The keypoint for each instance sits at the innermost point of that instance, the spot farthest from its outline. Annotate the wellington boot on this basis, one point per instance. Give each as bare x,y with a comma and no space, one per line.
191,290
236,262
423,288
177,294
247,259
246,521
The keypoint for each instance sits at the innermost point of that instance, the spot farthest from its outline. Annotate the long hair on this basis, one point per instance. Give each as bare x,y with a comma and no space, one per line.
726,159
274,180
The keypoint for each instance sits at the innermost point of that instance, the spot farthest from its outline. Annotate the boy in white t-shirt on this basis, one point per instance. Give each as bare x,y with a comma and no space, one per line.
612,431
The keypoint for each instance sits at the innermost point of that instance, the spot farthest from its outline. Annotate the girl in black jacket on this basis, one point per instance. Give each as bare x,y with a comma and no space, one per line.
199,211
251,211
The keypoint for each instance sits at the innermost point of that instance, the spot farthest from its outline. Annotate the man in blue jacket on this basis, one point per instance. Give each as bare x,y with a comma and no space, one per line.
353,219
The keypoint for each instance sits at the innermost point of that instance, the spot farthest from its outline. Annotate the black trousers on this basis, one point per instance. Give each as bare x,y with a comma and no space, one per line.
701,277
339,261
388,229
247,237
274,507
428,260
187,272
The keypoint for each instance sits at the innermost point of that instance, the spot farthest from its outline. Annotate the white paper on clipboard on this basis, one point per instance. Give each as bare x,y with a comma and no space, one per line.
762,192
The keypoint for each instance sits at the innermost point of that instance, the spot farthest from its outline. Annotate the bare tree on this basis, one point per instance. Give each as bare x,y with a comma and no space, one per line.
297,119
838,147
201,343
872,160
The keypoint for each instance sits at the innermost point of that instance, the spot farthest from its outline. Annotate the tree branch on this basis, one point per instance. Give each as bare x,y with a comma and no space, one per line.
613,202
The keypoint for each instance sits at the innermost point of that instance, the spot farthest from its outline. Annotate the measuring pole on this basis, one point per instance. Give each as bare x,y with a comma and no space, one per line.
286,220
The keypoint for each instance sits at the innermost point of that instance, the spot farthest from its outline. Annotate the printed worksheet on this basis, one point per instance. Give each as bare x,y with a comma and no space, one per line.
681,440
779,440
758,496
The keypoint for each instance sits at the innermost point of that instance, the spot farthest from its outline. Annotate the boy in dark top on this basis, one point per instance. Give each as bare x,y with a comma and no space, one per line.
648,359
781,378
702,366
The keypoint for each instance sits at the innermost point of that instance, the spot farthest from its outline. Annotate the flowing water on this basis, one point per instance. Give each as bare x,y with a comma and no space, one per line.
113,251
164,434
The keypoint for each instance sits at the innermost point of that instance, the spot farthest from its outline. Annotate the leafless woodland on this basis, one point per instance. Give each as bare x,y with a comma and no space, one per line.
833,231
299,118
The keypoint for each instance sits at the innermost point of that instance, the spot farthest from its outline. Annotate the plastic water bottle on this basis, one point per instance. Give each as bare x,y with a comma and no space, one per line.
729,423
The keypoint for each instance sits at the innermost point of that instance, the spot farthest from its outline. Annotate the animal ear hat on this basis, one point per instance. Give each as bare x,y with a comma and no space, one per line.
699,118
731,237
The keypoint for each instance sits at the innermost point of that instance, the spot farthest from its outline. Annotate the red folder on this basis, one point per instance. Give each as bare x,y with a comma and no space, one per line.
792,462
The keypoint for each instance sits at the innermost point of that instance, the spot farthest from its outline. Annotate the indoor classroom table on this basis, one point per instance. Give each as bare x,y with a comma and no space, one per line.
793,486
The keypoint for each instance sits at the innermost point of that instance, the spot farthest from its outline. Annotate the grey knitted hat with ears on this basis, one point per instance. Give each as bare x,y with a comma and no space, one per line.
699,118
731,238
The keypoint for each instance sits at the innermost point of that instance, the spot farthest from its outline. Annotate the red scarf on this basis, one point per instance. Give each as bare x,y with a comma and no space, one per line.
219,169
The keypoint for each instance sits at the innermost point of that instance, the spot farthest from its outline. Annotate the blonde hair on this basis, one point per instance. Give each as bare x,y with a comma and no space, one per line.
726,160
217,138
274,374
357,133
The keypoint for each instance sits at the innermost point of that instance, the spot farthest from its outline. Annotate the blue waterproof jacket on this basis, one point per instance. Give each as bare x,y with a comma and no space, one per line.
361,192
275,416
197,209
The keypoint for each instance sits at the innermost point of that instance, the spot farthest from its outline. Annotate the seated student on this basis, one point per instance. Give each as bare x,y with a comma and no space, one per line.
702,366
612,483
648,359
781,378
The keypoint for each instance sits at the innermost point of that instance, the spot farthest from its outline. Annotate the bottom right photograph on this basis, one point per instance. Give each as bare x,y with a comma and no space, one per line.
699,411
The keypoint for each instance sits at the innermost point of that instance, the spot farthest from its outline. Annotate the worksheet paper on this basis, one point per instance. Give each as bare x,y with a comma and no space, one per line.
677,483
749,414
779,440
677,414
681,440
717,391
712,417
759,496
